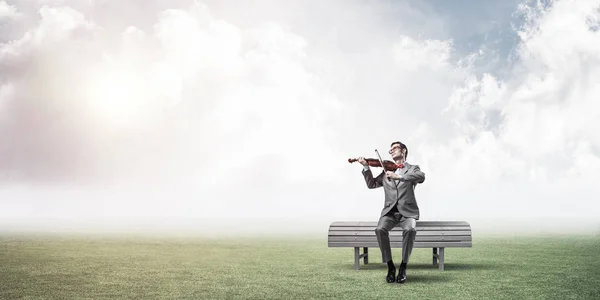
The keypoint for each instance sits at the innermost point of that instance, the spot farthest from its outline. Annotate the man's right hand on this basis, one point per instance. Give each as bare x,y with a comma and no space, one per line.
362,161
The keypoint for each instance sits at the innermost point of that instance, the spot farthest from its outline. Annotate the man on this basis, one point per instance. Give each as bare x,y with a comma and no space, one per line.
400,207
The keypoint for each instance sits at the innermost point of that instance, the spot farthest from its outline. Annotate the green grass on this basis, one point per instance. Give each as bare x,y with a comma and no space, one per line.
77,267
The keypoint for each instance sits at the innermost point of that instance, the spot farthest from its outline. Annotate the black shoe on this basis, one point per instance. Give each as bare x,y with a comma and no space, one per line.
391,276
401,275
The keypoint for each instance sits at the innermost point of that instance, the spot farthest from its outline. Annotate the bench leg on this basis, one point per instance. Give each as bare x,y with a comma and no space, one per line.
442,259
356,258
435,256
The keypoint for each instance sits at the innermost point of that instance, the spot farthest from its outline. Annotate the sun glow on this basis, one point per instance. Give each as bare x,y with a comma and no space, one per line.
117,96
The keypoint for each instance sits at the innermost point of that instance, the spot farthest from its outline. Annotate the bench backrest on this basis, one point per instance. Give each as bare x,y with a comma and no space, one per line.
430,234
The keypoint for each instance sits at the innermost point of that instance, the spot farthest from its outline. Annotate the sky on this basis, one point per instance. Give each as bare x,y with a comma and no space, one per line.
230,117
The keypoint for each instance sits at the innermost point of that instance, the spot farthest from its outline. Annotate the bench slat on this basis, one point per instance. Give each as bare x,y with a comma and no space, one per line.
419,223
397,232
399,238
372,228
399,244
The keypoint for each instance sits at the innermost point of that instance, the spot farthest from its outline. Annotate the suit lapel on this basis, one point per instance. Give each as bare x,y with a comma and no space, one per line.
406,167
403,171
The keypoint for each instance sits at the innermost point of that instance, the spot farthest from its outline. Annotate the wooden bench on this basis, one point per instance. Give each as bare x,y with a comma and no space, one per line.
430,234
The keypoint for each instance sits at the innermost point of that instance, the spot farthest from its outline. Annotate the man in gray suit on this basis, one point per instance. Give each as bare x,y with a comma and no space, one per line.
400,206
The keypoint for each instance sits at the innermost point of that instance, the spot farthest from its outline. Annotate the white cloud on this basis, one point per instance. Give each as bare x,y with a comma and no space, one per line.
412,54
200,112
543,136
8,11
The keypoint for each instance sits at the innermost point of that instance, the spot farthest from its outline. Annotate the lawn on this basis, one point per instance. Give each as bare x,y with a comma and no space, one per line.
136,267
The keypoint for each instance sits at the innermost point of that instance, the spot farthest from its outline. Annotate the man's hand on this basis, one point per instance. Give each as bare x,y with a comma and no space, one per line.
392,175
362,161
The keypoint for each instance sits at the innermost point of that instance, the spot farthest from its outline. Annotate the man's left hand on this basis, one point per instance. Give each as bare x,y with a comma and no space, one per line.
392,175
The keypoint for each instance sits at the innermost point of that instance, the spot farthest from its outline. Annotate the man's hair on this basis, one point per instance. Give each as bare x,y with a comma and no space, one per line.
402,146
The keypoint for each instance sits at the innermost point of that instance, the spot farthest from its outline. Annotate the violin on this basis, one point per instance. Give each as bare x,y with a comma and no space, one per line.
374,162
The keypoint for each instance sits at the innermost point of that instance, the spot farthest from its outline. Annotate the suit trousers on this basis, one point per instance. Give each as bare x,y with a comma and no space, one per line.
409,232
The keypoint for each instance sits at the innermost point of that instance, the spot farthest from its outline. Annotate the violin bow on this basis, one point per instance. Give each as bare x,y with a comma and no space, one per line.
381,162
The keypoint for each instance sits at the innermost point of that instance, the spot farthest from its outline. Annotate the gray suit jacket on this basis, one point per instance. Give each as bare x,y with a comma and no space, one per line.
400,193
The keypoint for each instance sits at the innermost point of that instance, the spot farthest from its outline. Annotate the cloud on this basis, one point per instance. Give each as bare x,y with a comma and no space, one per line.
8,11
412,54
532,130
546,104
197,111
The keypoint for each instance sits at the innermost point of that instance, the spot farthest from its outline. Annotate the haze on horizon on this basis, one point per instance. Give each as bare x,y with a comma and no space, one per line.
223,117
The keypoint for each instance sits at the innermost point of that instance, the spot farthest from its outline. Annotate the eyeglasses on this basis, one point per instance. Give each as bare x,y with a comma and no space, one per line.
394,148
